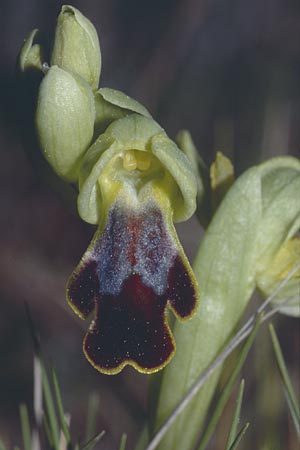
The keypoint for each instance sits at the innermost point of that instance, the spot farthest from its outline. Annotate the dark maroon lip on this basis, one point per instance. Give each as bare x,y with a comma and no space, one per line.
130,274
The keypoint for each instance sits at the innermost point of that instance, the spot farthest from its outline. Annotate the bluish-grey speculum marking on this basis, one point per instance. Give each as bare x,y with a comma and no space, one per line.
130,273
134,242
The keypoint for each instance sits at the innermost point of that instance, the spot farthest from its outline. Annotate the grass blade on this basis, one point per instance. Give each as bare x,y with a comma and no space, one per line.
92,442
25,426
60,407
239,437
52,420
37,391
50,408
236,416
93,406
32,329
228,388
123,442
47,430
2,446
294,416
288,387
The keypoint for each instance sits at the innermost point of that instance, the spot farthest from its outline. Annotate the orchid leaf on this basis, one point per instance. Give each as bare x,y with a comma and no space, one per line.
259,213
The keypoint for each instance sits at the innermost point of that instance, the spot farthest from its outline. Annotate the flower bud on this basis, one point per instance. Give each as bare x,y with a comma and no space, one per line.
31,54
221,177
64,120
76,45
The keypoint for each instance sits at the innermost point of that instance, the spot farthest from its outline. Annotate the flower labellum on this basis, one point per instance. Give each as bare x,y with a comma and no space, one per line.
135,266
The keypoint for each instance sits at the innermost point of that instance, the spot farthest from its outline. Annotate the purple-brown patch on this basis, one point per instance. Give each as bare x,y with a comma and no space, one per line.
129,275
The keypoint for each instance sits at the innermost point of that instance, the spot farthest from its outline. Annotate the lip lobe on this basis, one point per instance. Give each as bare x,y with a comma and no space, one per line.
132,272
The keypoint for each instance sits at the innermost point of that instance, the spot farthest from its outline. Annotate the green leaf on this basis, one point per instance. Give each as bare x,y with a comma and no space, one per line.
59,403
224,267
239,437
92,442
236,416
288,387
25,426
258,214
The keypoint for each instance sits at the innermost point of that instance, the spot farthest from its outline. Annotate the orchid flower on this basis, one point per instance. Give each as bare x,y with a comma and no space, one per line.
133,182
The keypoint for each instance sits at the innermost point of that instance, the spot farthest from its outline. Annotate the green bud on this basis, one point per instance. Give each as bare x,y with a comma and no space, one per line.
221,178
31,54
64,120
204,207
76,45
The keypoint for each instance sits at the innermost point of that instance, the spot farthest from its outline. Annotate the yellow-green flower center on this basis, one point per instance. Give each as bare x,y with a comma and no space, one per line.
135,159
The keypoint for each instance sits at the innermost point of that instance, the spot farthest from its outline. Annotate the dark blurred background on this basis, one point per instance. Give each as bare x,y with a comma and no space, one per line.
227,71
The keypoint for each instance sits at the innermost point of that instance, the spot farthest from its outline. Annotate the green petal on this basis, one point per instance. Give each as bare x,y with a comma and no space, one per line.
112,105
176,162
